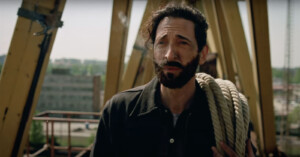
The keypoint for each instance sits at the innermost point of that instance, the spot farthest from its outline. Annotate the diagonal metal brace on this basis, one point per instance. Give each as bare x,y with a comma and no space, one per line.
48,22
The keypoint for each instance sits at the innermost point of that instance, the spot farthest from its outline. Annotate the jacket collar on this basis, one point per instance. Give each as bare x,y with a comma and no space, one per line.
150,100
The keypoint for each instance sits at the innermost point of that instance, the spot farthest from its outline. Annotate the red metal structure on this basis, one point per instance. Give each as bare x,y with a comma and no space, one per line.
45,116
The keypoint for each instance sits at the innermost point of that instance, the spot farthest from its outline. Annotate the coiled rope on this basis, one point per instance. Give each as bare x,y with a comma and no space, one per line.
229,111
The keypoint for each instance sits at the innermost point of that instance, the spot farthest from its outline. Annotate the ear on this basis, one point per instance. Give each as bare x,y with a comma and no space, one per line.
203,55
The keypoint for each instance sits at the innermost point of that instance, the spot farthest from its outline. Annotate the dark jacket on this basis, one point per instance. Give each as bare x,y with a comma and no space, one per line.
134,123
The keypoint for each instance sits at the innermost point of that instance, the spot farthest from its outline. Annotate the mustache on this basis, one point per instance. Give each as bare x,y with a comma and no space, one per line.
172,63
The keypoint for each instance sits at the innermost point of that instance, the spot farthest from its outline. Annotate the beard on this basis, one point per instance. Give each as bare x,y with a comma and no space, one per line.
169,80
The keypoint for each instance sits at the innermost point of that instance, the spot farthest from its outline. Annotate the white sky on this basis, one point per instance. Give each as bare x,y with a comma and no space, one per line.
86,30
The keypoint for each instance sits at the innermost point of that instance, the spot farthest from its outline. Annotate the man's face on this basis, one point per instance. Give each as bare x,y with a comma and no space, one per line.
176,54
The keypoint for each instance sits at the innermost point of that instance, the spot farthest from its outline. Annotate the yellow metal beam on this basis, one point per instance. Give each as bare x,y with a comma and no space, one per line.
96,93
149,68
244,65
214,35
258,18
146,70
136,58
23,74
226,43
131,69
117,46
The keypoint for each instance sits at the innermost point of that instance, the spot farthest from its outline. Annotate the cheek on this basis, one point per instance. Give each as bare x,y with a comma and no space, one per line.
188,59
157,55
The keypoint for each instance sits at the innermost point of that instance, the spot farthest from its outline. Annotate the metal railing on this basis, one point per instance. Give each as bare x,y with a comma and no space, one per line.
45,116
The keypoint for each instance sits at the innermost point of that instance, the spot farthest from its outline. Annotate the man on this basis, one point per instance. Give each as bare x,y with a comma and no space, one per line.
169,116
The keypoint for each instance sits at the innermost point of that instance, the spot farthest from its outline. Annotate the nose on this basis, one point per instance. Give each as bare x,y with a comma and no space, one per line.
171,53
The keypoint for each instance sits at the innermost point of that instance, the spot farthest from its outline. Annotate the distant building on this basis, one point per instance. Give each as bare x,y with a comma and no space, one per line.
279,91
89,61
62,91
66,62
279,101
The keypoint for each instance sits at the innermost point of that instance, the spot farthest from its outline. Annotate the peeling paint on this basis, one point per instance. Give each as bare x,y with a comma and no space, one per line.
123,18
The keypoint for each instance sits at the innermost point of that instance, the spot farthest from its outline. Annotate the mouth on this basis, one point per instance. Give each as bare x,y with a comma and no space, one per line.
168,67
171,68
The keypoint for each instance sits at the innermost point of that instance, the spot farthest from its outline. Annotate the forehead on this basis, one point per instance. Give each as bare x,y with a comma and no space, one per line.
176,25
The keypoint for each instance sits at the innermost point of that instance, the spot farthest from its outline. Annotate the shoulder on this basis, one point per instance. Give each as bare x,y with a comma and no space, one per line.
124,101
127,96
135,99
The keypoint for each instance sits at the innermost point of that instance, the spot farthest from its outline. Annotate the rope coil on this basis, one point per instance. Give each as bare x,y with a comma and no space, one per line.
229,112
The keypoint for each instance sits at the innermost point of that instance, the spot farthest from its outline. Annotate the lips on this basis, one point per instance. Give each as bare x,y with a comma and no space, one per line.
171,68
168,66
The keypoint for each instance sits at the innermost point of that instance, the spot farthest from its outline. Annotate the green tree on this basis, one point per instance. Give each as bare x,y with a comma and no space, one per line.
91,138
49,68
294,116
89,69
96,69
296,77
36,133
92,68
103,78
277,72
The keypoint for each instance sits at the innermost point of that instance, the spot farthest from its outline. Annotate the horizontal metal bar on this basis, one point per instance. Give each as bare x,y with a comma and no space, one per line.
67,113
54,119
72,148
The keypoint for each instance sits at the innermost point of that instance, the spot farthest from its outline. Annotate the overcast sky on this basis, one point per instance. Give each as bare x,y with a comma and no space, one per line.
86,30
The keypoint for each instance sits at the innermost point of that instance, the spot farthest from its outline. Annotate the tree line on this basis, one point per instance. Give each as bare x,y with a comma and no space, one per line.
279,73
96,67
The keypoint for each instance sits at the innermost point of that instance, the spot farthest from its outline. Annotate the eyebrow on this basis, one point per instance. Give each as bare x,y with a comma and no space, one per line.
161,37
182,37
179,36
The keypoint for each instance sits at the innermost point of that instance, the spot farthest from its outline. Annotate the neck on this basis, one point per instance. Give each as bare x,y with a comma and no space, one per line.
178,99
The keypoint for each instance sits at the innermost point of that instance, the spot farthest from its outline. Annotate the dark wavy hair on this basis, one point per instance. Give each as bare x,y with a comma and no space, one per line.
179,11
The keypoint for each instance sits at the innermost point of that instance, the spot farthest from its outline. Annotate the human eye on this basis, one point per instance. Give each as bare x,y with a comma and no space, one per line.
183,42
161,42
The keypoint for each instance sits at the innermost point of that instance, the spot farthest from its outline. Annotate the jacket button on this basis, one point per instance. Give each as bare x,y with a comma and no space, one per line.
172,140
